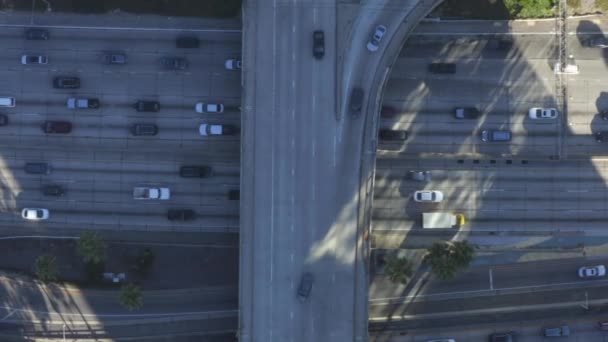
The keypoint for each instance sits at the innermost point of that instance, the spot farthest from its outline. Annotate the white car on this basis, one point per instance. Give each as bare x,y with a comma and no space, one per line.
201,107
31,59
35,214
233,64
428,196
373,44
542,113
208,129
592,271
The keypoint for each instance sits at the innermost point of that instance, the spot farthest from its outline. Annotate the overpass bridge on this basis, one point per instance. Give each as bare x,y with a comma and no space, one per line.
306,166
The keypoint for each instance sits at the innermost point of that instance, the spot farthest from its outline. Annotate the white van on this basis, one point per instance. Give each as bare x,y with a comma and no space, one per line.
7,101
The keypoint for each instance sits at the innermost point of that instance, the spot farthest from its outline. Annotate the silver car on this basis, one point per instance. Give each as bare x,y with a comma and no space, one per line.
34,59
374,42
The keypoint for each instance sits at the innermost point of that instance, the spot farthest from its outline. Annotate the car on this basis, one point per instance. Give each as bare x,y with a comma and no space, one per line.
37,168
37,34
53,190
495,135
502,337
305,287
195,171
420,176
466,113
557,331
35,214
66,82
603,325
595,42
234,195
392,134
174,63
387,112
601,136
501,44
202,107
598,271
187,42
181,215
209,129
3,120
146,106
374,42
74,103
318,44
442,68
434,196
355,103
233,64
542,113
144,129
116,58
57,127
34,59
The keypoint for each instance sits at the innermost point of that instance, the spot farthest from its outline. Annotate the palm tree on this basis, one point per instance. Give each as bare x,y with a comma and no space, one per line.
445,258
131,297
46,268
398,269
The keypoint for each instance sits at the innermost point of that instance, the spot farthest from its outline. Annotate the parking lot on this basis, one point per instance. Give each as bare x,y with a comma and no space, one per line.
100,161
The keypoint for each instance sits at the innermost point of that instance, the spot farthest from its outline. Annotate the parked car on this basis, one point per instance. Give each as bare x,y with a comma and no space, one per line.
420,176
53,190
305,287
434,196
57,127
387,112
174,63
3,120
597,41
117,58
233,64
144,129
34,214
37,34
34,59
187,42
195,171
234,195
466,113
37,168
601,136
442,68
598,271
494,135
374,42
146,106
557,331
392,134
202,107
66,82
318,44
542,113
181,215
502,337
209,129
356,101
74,103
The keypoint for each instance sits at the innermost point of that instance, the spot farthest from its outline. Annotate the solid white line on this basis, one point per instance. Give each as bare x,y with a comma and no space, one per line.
114,28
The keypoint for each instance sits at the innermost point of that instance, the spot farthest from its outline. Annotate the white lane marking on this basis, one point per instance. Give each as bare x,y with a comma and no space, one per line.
577,190
491,279
119,28
335,151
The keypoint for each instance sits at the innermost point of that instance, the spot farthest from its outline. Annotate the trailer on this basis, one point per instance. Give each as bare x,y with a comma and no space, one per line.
442,220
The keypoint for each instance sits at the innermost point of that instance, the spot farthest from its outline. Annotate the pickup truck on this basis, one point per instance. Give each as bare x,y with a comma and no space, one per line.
151,193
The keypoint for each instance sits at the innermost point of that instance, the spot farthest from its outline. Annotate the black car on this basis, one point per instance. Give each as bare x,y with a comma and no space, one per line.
144,129
318,44
174,63
601,136
66,82
195,171
598,41
181,215
187,42
53,190
442,68
305,287
466,113
392,134
146,106
356,101
37,34
37,168
502,337
3,120
502,44
234,195
57,127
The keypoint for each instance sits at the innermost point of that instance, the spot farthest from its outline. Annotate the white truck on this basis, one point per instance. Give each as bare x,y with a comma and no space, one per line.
151,193
442,220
